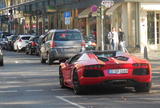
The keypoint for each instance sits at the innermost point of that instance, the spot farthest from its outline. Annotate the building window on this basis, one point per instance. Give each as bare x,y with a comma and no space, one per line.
158,27
151,27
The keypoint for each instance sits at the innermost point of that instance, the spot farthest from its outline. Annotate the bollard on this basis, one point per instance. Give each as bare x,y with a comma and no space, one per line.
145,53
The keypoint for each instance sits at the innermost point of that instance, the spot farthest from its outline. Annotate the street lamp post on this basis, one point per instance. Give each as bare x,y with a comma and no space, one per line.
104,4
102,27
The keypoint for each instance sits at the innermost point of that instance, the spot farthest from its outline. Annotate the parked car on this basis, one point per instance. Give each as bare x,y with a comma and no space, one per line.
11,40
61,44
105,68
21,42
4,34
90,42
4,42
31,47
40,42
1,57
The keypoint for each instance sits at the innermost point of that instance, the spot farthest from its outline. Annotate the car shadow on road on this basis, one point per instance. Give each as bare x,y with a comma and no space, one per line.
105,91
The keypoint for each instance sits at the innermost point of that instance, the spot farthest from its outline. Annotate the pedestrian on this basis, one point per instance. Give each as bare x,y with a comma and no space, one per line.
113,39
121,40
94,34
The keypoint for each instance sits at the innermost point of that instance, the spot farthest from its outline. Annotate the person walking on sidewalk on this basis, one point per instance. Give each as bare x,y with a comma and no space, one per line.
113,39
121,40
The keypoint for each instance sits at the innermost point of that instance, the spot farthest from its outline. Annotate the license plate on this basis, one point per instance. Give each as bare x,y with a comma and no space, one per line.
118,71
70,50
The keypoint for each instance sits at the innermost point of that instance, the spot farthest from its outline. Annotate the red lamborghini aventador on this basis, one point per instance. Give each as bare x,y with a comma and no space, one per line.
107,68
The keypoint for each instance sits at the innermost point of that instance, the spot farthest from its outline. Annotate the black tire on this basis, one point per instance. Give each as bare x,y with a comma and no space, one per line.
61,79
43,60
26,52
50,61
36,53
30,52
17,49
62,60
1,63
77,88
144,87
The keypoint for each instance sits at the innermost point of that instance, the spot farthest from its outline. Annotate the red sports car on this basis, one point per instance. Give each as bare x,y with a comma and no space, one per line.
107,68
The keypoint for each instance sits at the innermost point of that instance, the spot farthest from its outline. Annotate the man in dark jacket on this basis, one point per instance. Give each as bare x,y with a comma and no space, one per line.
121,40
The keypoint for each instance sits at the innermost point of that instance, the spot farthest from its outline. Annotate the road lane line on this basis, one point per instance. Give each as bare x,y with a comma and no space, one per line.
9,91
57,89
16,62
72,103
40,90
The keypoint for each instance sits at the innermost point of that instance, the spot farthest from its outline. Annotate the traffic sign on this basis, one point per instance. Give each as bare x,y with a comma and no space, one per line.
67,14
67,20
107,3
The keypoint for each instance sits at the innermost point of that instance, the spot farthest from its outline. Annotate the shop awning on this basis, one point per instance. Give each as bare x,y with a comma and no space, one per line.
85,13
151,6
142,1
112,9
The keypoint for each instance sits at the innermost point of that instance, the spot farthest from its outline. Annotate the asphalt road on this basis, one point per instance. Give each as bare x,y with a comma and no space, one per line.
26,83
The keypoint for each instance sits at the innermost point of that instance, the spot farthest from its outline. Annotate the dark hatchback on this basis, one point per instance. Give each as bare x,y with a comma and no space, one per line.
31,47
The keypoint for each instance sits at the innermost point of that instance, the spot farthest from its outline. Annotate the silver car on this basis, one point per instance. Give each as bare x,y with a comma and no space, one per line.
1,57
60,45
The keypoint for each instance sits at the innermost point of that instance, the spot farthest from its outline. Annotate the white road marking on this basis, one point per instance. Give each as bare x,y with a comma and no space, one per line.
10,91
34,90
57,89
16,62
72,103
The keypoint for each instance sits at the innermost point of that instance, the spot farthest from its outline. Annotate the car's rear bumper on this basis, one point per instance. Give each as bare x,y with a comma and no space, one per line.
115,81
22,46
58,53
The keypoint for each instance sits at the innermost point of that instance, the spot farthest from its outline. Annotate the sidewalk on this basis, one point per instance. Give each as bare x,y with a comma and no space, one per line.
154,55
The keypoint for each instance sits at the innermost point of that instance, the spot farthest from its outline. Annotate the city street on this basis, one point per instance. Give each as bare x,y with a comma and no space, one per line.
26,83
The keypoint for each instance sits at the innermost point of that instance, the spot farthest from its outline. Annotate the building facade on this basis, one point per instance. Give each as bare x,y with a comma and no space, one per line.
139,19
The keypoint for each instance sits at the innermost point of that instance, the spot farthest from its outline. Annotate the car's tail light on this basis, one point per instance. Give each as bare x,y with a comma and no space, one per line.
20,40
83,44
33,44
52,44
94,67
141,71
93,44
140,65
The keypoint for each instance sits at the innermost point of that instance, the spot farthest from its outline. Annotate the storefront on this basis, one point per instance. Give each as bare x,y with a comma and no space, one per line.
119,15
140,22
88,18
150,25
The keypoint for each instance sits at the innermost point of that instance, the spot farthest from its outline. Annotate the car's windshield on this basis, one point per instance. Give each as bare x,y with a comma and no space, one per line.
67,36
25,38
36,39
